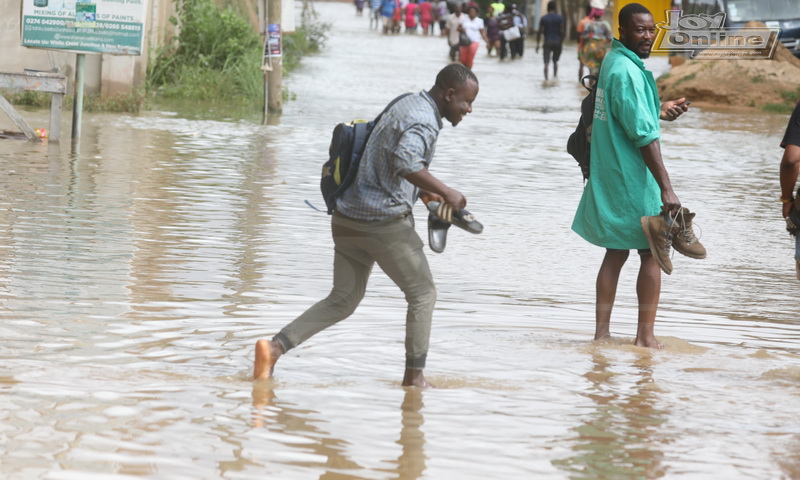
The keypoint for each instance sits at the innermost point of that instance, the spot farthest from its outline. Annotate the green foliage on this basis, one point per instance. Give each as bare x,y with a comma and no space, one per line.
308,38
757,79
791,96
687,78
127,102
29,98
211,36
777,107
217,56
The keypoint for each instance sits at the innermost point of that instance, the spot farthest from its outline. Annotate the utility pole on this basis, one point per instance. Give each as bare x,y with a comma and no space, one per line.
77,106
274,74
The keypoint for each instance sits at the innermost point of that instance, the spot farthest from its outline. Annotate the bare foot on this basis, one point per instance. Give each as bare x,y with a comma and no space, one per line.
602,330
414,378
267,353
601,335
649,342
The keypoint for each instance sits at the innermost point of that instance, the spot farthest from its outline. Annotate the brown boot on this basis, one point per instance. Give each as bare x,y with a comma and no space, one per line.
684,240
659,236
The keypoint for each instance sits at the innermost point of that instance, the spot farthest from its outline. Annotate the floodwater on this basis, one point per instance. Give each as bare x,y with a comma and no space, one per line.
136,274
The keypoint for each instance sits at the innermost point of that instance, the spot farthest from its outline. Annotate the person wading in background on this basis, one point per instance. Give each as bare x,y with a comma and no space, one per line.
552,26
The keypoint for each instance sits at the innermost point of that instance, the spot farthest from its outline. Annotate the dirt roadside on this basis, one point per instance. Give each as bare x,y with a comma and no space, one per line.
765,84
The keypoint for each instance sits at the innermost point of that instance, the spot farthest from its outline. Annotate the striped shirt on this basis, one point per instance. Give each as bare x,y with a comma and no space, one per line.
402,143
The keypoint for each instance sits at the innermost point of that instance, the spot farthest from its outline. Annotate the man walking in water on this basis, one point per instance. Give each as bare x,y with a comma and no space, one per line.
552,26
373,223
628,179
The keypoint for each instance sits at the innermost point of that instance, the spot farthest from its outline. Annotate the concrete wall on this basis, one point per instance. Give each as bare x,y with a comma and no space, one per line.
104,74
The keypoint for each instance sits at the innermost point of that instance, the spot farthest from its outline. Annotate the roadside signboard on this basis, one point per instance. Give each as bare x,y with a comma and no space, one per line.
85,26
272,47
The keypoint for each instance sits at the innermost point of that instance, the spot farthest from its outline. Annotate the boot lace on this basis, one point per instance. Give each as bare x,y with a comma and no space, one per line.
686,232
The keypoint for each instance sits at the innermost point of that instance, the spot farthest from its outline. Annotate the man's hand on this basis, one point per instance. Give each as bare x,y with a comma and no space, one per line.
455,199
445,209
673,109
670,202
433,189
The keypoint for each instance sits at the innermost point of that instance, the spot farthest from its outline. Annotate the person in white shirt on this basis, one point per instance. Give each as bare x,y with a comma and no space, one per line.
473,26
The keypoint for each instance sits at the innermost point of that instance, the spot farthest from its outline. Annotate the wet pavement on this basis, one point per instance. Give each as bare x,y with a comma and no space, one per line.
136,274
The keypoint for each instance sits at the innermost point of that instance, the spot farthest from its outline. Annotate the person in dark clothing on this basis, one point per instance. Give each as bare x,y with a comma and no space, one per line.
790,169
516,45
552,27
505,21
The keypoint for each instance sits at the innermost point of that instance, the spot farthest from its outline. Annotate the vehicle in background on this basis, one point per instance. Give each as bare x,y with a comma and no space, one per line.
783,14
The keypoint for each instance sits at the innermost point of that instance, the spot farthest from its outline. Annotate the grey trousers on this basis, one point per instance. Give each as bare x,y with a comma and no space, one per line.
358,245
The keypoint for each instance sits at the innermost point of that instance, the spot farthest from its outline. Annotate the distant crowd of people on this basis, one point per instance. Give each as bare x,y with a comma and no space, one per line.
408,15
502,29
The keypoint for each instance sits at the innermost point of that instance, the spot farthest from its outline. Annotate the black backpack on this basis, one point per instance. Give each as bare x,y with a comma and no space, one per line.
579,143
344,156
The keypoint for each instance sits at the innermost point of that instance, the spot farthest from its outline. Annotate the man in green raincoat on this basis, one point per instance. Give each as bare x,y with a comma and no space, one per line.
628,179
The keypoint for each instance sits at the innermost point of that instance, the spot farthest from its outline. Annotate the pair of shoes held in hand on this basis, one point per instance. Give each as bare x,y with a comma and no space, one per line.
664,231
440,217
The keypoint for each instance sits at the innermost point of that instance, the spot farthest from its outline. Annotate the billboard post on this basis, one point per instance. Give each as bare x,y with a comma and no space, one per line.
85,27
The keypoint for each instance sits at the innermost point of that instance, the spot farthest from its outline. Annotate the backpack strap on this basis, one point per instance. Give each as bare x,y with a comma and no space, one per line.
391,104
362,131
591,80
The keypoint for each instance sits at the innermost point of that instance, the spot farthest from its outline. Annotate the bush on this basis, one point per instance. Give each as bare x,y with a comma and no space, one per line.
126,102
212,57
217,56
777,108
29,98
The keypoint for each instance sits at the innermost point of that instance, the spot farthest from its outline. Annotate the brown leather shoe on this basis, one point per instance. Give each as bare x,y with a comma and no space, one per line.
684,239
659,236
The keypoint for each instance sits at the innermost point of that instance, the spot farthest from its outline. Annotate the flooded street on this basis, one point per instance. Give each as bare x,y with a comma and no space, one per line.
136,275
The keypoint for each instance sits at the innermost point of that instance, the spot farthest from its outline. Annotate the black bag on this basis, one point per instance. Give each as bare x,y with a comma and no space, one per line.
580,142
463,40
344,156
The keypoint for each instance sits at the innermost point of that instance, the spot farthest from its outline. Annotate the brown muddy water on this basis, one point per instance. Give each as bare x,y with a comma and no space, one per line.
136,275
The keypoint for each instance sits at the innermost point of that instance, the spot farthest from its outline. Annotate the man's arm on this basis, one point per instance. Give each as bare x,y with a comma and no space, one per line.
538,35
652,158
432,187
790,169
